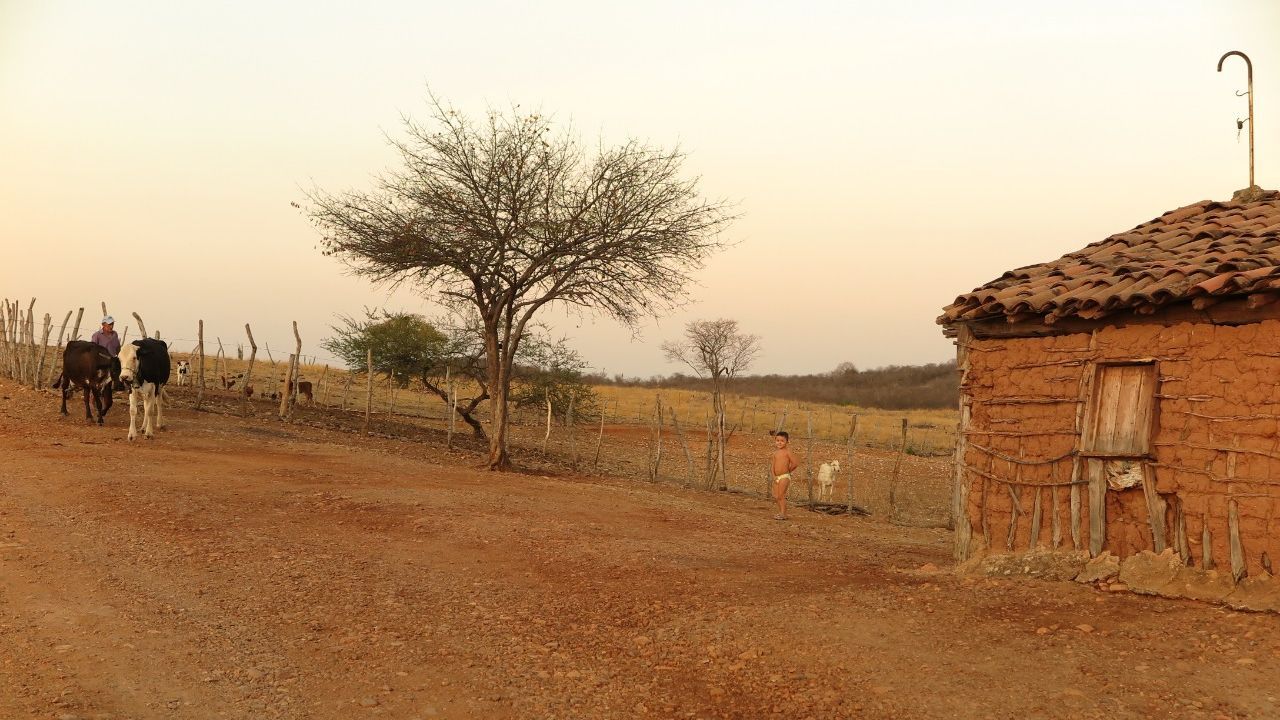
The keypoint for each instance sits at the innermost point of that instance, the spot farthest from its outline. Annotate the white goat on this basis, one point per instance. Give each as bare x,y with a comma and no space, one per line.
827,479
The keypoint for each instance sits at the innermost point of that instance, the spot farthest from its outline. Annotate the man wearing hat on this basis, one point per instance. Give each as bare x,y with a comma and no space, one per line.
107,337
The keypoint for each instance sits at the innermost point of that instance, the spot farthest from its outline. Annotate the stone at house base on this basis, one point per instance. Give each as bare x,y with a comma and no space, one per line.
1099,569
1042,562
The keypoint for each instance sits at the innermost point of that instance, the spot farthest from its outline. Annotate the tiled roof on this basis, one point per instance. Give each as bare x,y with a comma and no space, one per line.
1209,248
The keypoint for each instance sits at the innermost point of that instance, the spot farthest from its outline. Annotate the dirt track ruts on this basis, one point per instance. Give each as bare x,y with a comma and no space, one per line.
253,569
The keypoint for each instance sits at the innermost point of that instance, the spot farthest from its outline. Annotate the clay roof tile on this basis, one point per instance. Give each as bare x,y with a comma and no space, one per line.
1204,248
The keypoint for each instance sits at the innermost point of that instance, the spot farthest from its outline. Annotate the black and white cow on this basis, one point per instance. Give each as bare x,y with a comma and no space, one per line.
184,373
144,369
89,366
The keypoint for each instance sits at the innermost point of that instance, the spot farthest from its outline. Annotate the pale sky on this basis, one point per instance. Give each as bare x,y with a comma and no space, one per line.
885,157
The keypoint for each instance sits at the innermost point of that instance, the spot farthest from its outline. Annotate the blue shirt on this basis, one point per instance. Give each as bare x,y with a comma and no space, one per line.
109,340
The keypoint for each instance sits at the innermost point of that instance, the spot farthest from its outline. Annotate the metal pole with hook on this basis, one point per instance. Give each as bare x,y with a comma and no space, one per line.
1249,92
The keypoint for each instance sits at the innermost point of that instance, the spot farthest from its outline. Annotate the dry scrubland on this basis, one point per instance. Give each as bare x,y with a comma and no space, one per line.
922,489
245,567
930,432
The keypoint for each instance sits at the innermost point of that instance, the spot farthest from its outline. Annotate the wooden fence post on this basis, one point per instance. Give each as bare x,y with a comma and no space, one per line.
44,352
200,363
809,454
31,340
768,468
287,395
295,369
453,405
688,456
849,450
4,337
658,423
248,373
346,388
55,366
142,327
573,445
897,470
600,441
453,412
368,399
546,438
75,334
324,392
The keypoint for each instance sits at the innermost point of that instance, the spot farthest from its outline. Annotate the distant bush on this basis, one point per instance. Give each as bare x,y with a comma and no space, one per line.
896,387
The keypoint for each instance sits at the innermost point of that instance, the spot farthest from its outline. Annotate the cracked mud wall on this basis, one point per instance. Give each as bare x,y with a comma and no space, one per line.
1214,442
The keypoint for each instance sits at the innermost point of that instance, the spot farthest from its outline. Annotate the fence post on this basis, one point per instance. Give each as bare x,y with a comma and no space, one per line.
688,456
853,439
4,337
573,445
808,447
287,395
44,352
142,327
200,363
768,469
75,334
547,437
248,373
31,340
368,400
600,441
897,469
295,368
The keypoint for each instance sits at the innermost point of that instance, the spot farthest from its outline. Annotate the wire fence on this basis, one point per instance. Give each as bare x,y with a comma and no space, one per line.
891,464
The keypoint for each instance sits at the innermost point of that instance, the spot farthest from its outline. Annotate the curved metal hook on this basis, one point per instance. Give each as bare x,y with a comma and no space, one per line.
1248,63
1240,123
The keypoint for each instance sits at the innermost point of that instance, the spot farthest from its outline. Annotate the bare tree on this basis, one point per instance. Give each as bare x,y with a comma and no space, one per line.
504,217
718,350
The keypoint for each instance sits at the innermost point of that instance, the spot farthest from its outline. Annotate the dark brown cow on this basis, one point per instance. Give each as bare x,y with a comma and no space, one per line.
89,366
304,389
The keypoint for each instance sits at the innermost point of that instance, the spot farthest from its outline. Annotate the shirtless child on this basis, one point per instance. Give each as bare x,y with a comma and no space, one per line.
783,465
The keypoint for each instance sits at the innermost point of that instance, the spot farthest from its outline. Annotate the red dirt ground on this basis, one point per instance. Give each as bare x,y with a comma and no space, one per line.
255,569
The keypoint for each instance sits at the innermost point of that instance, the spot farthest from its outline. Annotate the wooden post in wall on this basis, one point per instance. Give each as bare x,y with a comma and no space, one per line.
960,478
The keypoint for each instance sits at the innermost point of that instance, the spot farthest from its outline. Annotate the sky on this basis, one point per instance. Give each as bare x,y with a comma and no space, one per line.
884,157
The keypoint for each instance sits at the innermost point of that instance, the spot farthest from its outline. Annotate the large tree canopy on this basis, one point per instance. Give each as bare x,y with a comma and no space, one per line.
504,216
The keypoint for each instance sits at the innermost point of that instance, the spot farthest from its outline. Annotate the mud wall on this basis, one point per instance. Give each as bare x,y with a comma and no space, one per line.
1215,451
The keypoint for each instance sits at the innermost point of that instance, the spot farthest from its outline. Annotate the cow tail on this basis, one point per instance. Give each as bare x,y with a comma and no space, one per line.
57,384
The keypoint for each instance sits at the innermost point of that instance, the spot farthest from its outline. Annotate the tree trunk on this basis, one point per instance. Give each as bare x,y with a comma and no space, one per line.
499,458
467,414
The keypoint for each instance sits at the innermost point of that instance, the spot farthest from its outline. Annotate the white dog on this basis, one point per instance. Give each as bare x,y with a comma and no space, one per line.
184,372
827,478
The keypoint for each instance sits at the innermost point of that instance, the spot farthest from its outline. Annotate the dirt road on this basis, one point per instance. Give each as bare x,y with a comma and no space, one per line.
254,569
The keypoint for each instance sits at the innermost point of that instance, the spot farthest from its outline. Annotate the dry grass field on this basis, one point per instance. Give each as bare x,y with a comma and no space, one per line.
247,567
923,481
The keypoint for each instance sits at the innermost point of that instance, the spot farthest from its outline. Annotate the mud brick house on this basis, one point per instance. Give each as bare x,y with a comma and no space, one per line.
1126,396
